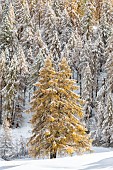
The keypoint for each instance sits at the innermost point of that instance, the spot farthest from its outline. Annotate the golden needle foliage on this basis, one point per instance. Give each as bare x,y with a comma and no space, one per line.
57,127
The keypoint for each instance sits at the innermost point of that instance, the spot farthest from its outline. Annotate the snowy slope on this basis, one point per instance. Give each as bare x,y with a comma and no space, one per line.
101,159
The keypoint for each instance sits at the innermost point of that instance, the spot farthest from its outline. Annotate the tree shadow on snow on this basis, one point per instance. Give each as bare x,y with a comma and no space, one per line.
7,167
104,163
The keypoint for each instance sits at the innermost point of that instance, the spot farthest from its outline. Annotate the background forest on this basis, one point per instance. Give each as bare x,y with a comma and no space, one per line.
79,30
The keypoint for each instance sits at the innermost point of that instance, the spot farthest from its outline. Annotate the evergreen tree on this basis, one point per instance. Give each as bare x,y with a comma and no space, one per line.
58,7
3,73
50,35
109,65
72,51
39,53
7,28
13,90
55,49
100,108
57,111
19,12
6,144
87,84
49,26
107,124
87,21
38,10
9,92
105,25
38,43
64,28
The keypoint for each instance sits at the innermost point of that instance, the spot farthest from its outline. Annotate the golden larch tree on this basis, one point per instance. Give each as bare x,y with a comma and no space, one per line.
57,128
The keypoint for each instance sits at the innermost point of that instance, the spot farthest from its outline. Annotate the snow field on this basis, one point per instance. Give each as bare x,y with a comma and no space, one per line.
100,159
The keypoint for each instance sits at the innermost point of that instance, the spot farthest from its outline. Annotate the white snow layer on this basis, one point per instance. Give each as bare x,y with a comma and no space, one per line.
100,159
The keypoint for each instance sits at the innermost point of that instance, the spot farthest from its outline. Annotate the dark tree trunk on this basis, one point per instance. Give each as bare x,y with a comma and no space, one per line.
1,109
1,102
97,87
29,96
24,97
104,91
92,93
80,85
52,155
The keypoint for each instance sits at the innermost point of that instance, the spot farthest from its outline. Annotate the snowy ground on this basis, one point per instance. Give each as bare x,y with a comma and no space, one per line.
101,159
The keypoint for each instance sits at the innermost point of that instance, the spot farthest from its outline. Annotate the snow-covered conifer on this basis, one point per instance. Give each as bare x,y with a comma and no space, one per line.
105,25
109,65
38,10
107,124
100,109
50,35
73,49
14,89
57,111
3,73
6,144
87,21
58,7
39,54
49,26
64,28
7,28
87,84
55,49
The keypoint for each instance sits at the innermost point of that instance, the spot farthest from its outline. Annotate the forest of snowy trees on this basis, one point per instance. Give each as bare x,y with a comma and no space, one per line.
80,31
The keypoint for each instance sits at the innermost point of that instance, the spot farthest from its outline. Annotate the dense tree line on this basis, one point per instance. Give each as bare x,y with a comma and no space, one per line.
80,31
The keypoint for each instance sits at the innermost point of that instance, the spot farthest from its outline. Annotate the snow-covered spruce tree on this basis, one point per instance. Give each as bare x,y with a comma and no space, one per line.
87,84
3,73
58,7
105,25
7,26
1,6
50,35
38,43
109,65
37,11
37,64
13,90
87,21
22,75
91,55
20,16
72,51
23,25
100,109
104,115
49,26
64,28
6,144
55,49
107,9
106,137
99,50
39,54
101,35
107,124
57,127
22,148
9,92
